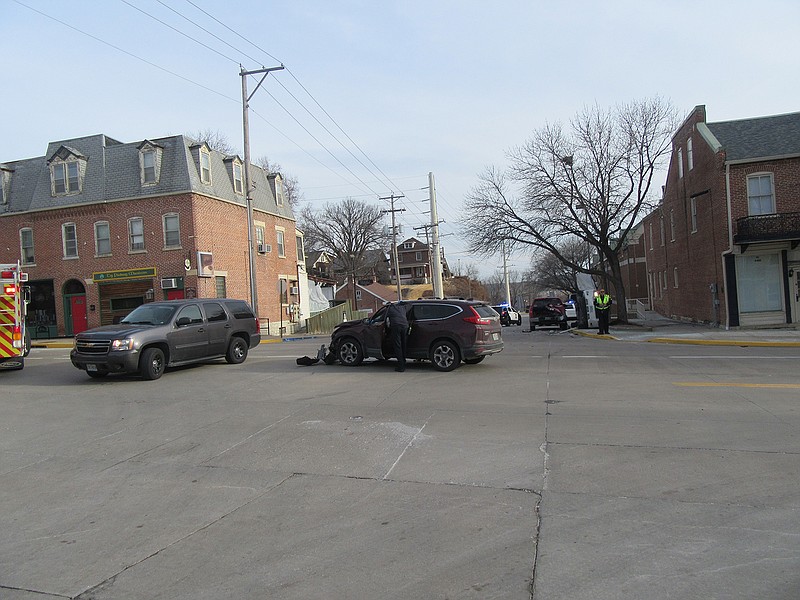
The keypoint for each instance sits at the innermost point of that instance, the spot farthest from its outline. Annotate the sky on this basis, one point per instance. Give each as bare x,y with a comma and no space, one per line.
376,94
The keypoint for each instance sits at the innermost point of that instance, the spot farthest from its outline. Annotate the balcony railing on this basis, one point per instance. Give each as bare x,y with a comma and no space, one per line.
762,228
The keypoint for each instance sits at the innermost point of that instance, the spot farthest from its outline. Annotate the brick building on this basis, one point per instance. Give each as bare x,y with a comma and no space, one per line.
723,245
102,226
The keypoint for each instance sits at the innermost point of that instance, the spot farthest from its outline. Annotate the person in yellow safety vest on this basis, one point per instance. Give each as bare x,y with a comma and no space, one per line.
602,306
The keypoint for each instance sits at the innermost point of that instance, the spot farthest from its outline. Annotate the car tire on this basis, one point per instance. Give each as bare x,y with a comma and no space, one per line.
445,356
152,364
474,361
562,326
27,348
349,352
97,374
237,351
533,327
519,321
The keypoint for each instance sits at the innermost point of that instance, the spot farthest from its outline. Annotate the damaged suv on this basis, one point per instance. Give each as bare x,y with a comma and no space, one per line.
445,332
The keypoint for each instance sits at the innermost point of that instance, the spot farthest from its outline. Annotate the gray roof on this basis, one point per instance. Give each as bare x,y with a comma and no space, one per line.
760,137
113,173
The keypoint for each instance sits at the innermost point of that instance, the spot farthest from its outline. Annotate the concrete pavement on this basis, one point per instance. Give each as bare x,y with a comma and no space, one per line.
653,329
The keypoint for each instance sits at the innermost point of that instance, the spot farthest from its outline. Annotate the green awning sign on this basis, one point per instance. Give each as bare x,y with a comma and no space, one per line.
126,274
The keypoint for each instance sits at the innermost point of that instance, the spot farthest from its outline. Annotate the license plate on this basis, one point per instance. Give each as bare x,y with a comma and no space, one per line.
495,336
91,367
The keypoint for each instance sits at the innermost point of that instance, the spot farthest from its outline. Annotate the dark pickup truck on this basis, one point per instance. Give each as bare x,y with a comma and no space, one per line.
167,334
548,311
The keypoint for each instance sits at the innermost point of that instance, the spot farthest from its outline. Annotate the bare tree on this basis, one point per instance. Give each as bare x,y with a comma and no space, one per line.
347,229
290,183
592,181
216,140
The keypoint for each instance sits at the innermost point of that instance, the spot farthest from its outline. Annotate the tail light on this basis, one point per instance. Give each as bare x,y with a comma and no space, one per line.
477,319
258,325
10,290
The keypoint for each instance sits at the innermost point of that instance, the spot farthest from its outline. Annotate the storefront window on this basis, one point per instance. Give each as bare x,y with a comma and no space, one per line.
759,282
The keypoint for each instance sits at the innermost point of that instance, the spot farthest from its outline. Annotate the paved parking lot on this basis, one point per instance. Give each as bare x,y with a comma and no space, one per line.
565,467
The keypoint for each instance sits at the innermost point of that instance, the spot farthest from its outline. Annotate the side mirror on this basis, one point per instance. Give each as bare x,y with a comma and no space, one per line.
183,322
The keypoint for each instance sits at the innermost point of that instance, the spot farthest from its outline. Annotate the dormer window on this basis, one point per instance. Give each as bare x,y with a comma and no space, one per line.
67,168
279,191
5,185
205,166
149,162
408,245
238,178
66,179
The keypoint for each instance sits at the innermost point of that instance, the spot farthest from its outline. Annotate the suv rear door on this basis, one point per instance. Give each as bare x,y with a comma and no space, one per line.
430,321
218,328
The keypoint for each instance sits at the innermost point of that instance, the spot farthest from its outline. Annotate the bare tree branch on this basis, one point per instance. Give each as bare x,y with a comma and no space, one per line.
591,181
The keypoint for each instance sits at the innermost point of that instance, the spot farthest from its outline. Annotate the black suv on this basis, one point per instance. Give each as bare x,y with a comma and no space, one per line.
444,332
166,334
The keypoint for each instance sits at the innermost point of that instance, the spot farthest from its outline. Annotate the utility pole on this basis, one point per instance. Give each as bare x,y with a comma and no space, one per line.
438,286
247,185
394,239
505,275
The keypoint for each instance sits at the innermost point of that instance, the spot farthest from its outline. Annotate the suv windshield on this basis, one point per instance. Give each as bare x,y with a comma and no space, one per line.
148,314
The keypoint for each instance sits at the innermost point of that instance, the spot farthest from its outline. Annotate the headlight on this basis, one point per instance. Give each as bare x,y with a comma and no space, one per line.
126,344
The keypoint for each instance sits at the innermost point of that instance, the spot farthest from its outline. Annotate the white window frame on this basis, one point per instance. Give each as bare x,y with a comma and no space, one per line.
98,238
301,255
689,154
680,162
278,191
69,183
693,209
26,250
134,246
238,178
675,277
205,166
651,235
663,234
764,176
66,243
280,240
167,231
149,171
408,245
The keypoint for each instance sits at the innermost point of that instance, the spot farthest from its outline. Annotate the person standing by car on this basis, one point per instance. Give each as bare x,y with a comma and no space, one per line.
398,332
602,306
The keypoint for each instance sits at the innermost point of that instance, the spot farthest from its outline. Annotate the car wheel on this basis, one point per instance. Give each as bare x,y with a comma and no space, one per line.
97,374
533,327
562,325
519,321
237,351
151,364
474,361
27,348
445,356
349,352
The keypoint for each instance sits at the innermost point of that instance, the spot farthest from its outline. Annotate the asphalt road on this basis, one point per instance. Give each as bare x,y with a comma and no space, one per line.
564,468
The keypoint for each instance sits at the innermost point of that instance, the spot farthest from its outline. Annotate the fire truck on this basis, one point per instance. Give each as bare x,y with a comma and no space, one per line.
15,342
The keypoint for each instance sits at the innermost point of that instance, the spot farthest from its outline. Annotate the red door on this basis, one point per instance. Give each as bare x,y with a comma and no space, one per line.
78,310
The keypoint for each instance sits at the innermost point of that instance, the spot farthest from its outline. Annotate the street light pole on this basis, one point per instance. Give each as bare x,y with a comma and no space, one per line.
247,179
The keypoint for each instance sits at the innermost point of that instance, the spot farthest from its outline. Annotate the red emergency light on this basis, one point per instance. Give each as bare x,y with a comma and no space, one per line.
7,275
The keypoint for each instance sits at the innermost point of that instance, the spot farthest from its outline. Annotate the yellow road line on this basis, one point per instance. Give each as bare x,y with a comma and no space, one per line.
777,386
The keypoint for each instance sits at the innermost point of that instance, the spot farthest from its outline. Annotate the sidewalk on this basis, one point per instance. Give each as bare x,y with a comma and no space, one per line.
667,331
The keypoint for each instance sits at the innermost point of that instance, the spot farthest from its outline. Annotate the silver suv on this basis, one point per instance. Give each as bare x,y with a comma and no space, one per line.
168,334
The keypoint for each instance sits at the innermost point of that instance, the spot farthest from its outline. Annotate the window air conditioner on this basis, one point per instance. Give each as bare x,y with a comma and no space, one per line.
264,248
169,284
294,290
